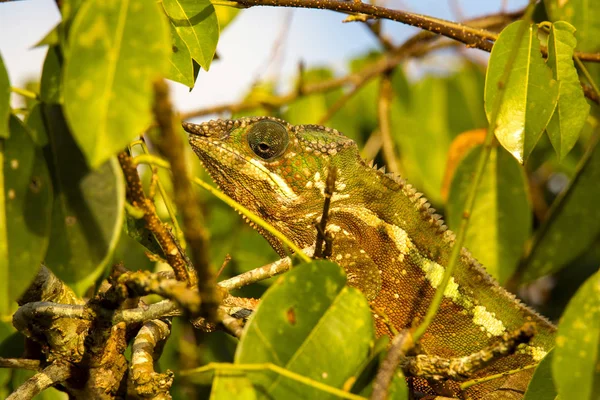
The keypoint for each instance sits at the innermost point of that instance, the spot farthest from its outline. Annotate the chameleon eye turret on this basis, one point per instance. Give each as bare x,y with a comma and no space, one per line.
268,139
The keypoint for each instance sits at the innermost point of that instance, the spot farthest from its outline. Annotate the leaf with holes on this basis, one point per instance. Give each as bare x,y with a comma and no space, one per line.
196,23
182,68
311,323
116,49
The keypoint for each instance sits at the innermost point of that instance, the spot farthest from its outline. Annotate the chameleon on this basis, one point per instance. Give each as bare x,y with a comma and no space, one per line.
387,237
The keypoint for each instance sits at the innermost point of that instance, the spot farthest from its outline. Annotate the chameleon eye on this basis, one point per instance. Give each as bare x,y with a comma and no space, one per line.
268,139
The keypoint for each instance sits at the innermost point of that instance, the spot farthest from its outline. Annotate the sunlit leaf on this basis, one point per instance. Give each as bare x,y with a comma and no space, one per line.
311,323
530,94
572,108
88,211
231,385
116,49
4,100
500,222
576,358
197,25
182,69
25,210
225,15
572,224
541,386
584,15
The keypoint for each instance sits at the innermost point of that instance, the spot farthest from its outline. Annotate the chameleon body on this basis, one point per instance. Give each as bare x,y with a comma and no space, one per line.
386,236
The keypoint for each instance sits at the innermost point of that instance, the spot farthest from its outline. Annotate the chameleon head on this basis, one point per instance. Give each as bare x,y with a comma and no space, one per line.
276,169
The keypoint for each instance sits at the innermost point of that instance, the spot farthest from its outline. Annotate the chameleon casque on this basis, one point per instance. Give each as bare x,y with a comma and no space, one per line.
386,236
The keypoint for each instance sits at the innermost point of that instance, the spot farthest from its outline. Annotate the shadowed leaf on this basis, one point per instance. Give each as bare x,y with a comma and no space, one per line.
494,236
88,211
541,386
26,208
4,100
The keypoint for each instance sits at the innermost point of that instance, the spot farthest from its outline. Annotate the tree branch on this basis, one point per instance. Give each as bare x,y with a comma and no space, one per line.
144,381
22,363
51,375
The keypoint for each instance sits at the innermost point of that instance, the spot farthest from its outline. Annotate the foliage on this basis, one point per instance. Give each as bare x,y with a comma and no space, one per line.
63,197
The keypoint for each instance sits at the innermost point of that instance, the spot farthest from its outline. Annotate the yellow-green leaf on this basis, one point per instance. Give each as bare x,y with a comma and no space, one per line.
584,15
196,23
231,385
530,94
572,109
182,69
25,209
501,218
576,358
116,49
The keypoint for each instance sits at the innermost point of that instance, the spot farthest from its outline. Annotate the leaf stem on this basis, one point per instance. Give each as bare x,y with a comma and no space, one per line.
481,163
276,369
25,93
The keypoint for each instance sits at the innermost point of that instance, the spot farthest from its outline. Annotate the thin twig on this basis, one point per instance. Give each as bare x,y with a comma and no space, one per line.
322,225
22,363
401,344
384,105
145,350
173,147
135,194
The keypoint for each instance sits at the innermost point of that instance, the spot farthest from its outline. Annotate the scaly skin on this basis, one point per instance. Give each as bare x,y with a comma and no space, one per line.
386,236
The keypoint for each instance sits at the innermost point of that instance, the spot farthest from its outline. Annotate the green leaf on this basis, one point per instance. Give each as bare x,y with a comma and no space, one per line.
182,69
530,94
576,358
196,23
88,211
25,205
51,86
500,222
231,385
571,226
311,323
4,100
541,386
116,49
572,108
421,132
35,125
584,15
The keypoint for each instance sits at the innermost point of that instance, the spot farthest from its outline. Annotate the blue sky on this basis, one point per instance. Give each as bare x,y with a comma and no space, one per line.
316,37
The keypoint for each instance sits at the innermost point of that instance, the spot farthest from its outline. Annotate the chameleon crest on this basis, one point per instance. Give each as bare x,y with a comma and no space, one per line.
392,244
